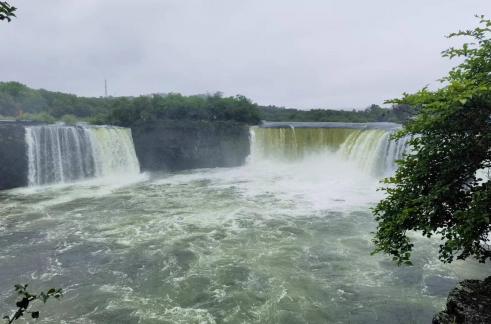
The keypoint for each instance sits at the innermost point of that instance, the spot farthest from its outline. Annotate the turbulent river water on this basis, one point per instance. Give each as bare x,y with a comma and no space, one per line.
279,240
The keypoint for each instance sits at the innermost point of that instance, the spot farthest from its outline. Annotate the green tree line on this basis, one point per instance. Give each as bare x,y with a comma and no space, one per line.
18,101
399,113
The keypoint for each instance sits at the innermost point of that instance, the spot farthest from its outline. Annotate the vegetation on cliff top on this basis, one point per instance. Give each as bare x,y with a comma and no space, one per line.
373,113
21,102
441,186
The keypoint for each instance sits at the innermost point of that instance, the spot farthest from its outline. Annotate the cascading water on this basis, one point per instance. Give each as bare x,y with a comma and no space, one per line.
61,154
294,143
395,151
285,238
371,149
113,151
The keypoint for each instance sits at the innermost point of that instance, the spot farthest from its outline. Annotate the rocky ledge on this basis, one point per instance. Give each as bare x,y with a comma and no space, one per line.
469,302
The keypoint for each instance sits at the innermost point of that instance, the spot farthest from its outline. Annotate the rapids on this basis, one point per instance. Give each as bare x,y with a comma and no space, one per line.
284,239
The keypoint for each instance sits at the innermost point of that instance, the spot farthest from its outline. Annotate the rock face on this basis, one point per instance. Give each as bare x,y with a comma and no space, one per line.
180,145
160,146
13,158
469,302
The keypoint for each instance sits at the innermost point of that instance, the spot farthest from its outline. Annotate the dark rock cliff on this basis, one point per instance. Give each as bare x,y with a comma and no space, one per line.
179,145
13,158
160,146
469,302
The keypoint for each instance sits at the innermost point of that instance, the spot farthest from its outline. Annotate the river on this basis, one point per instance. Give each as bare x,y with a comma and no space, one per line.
278,240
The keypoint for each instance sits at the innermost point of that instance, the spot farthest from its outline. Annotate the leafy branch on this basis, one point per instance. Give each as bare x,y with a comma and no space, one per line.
26,299
438,187
6,11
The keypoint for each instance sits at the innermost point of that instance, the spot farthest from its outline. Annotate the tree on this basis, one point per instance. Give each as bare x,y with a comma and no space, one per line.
6,11
438,188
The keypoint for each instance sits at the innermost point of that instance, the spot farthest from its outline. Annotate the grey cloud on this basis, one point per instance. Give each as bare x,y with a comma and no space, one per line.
317,53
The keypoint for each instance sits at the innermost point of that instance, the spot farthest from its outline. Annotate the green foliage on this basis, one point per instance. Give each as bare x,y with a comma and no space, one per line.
18,100
374,113
437,188
69,119
6,117
26,299
6,11
127,111
41,117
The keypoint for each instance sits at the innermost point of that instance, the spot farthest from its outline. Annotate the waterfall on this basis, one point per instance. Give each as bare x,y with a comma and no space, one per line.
395,151
370,148
113,151
373,150
367,149
293,143
62,154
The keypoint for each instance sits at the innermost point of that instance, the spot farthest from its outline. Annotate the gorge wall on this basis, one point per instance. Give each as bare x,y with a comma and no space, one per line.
13,157
180,145
35,154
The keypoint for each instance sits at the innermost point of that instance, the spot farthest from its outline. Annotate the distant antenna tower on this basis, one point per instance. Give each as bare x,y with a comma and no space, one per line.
105,88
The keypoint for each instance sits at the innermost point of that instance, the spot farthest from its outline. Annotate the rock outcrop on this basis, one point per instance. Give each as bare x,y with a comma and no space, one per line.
180,145
13,159
469,303
160,146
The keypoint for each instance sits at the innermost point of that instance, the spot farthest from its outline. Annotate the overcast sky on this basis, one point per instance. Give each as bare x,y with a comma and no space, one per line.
305,54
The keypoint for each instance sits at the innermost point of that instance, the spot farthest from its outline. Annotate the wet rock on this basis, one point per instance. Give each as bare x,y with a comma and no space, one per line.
13,155
160,146
179,145
469,302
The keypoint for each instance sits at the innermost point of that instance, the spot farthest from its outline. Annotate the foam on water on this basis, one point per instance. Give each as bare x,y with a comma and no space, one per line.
278,240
